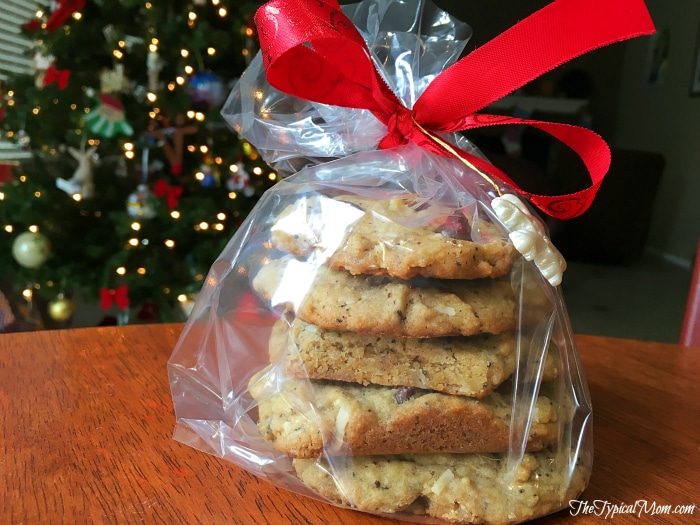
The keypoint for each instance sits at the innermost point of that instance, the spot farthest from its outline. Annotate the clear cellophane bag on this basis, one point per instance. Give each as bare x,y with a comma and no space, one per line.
370,336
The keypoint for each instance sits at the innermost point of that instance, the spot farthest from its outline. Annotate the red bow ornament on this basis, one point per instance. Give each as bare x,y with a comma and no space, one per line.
60,76
298,36
171,193
118,296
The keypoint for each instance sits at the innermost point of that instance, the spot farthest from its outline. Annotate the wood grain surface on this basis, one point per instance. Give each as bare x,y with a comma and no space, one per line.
86,421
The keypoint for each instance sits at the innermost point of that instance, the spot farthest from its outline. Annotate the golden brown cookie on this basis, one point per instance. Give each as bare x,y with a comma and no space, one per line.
305,419
338,300
458,488
398,237
469,366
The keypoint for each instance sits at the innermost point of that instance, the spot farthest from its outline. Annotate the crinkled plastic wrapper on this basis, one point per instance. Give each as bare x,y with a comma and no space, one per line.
371,336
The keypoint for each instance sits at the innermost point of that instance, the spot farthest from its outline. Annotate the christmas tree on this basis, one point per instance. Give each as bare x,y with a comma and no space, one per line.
135,183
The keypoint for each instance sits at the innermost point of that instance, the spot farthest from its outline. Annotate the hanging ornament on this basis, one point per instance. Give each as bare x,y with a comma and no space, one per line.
23,140
61,309
206,90
40,65
114,81
240,180
81,183
107,118
59,76
154,65
209,175
31,250
141,203
171,193
173,141
118,296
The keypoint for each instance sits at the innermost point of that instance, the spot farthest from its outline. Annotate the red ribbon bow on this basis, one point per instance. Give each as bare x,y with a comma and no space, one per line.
60,76
314,35
171,193
118,296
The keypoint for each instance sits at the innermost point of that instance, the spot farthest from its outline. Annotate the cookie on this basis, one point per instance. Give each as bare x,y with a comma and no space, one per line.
469,366
458,488
306,419
338,300
399,237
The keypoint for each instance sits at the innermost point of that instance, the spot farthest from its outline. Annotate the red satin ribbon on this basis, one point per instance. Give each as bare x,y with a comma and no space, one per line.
118,296
60,76
171,193
313,51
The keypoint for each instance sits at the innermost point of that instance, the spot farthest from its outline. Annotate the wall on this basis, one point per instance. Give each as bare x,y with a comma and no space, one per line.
666,119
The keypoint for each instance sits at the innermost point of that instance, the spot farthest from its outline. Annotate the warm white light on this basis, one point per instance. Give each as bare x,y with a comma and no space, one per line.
211,51
199,176
77,197
121,270
199,116
169,243
221,216
180,81
257,170
189,70
232,195
204,225
203,148
151,97
184,53
175,214
223,12
33,228
192,15
218,227
182,298
129,154
2,196
128,146
27,293
141,271
233,168
118,54
135,226
134,242
272,176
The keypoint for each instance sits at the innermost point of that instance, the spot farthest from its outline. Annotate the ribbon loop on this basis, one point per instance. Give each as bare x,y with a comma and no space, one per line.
312,51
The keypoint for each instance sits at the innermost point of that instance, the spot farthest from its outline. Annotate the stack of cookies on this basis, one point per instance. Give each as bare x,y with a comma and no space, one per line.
390,383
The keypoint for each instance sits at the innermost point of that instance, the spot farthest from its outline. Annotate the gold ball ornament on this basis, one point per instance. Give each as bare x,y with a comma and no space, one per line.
61,309
31,250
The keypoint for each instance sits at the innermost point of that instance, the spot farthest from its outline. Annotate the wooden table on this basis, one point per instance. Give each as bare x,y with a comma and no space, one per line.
86,421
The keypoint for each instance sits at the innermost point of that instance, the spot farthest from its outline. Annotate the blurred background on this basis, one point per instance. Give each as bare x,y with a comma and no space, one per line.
120,183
